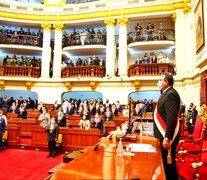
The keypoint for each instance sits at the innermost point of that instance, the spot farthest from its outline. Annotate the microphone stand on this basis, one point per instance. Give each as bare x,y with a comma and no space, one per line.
131,125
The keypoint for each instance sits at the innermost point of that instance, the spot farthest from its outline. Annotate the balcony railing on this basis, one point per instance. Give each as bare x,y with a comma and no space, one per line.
20,39
19,71
144,35
153,69
83,71
88,39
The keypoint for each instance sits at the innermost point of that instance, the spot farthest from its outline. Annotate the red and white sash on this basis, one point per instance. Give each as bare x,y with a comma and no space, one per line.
162,126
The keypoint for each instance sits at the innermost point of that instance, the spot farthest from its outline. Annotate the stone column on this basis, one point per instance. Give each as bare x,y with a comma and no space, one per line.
110,46
122,61
180,46
46,51
57,50
190,45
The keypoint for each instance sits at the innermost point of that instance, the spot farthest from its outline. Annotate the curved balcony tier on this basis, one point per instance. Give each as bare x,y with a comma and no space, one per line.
19,71
83,71
153,69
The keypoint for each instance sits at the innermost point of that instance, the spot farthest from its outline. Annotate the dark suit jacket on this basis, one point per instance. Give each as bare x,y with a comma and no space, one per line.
168,107
51,136
2,126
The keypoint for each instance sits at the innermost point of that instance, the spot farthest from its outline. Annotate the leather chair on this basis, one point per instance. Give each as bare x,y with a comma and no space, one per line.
59,143
5,140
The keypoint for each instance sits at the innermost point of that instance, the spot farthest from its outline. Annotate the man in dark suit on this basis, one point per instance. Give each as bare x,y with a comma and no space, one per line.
166,124
2,128
53,130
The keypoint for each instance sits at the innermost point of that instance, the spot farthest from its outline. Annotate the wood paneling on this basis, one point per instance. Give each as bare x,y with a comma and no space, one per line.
72,138
14,134
24,124
104,163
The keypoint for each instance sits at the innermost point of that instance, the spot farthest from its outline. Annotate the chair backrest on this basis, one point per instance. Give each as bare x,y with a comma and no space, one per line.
60,139
5,135
198,128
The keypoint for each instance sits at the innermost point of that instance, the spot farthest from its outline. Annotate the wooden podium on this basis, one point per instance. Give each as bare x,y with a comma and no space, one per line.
102,162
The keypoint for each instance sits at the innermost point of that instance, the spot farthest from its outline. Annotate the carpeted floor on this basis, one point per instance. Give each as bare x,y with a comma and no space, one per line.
24,164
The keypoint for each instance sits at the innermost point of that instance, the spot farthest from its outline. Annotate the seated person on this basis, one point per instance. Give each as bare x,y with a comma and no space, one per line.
44,117
97,122
84,123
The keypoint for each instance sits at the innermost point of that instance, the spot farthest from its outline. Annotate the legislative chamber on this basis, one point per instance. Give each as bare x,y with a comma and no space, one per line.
99,55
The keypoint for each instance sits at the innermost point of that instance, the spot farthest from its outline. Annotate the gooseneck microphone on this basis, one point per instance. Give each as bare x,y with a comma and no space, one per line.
129,130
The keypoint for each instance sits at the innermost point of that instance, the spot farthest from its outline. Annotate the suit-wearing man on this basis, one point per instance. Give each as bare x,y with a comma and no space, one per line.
166,124
53,130
2,128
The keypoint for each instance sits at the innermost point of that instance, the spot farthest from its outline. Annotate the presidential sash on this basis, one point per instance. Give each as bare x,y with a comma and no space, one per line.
162,126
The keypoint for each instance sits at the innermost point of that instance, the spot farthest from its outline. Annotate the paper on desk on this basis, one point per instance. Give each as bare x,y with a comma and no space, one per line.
142,148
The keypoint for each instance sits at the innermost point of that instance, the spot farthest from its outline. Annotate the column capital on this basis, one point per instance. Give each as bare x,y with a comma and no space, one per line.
137,85
174,16
29,85
110,22
123,21
58,26
2,84
46,26
69,86
93,85
187,9
187,1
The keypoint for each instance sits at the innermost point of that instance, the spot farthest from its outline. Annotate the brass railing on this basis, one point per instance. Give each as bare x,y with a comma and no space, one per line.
152,69
83,71
19,71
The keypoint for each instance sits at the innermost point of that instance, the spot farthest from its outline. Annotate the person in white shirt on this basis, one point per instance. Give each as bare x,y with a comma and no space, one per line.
84,123
44,118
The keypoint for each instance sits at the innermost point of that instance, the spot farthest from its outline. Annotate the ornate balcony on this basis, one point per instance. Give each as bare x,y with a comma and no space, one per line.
83,71
153,69
19,71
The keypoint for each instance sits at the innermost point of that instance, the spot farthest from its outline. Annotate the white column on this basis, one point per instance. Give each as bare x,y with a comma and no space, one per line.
180,47
122,62
46,51
190,45
110,47
57,50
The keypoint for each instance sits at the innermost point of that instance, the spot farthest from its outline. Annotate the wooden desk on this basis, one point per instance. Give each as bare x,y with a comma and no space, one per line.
105,164
110,126
14,134
25,124
72,138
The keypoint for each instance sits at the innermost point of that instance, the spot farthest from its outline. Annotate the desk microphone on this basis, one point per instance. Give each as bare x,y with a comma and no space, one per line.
129,130
96,147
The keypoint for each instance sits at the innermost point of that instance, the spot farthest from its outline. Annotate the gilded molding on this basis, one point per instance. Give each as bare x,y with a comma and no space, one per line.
29,85
94,15
187,1
69,86
58,26
187,9
2,84
47,3
93,85
110,22
174,16
123,21
137,85
46,26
